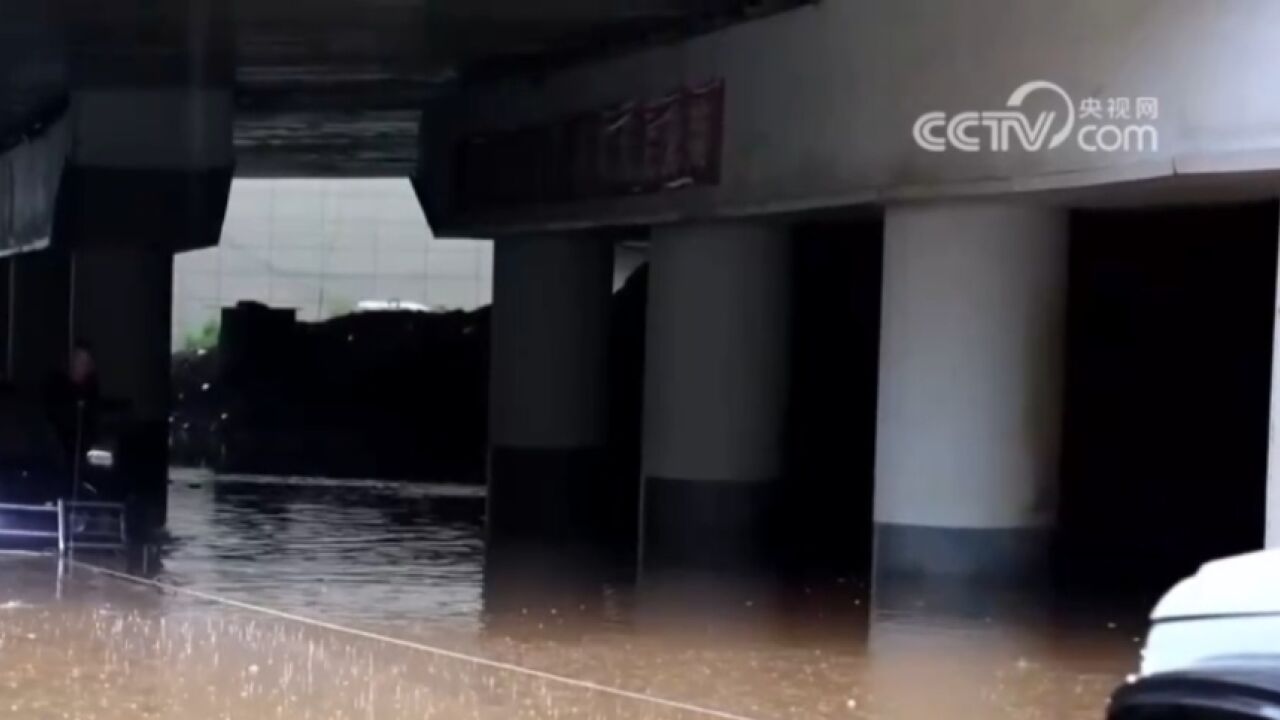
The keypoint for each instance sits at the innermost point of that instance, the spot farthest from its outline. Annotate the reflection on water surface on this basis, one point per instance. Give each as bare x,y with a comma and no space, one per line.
409,562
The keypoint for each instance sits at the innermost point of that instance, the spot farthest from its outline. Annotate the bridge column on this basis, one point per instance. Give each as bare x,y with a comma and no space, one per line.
970,406
715,390
1271,537
123,299
38,329
548,386
149,175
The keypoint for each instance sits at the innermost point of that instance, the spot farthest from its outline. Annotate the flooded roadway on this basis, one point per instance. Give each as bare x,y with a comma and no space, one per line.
408,563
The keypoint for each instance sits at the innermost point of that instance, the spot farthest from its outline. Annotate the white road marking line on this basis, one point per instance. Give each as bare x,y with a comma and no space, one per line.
420,647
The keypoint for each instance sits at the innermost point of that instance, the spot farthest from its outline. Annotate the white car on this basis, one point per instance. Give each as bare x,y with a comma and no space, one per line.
1213,652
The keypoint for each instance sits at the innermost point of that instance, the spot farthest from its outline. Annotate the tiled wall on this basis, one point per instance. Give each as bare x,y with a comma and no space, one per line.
321,246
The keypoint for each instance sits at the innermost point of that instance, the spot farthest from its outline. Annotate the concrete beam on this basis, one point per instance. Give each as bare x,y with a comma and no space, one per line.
152,112
821,102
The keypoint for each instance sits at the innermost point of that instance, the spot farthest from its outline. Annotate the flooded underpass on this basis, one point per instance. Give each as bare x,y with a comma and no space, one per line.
309,599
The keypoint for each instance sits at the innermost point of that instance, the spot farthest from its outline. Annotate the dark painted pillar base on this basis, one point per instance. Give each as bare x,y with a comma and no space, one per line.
548,497
1003,555
959,571
718,526
143,463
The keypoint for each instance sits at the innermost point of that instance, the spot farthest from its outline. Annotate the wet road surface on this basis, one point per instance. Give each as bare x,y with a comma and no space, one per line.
408,563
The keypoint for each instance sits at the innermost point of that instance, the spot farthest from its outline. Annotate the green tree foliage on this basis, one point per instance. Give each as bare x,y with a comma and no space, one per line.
206,338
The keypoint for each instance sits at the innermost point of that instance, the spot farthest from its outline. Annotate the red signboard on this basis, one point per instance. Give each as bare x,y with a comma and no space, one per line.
631,148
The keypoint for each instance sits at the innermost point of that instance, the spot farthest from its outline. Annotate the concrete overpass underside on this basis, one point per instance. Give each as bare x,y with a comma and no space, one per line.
995,156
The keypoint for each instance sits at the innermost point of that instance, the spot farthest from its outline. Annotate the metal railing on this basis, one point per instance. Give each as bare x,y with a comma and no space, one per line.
67,513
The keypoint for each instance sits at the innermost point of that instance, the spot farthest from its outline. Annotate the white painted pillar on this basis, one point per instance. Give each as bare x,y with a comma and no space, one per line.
970,404
1273,435
548,383
715,392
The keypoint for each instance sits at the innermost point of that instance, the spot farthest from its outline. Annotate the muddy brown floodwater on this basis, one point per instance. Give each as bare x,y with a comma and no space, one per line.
405,566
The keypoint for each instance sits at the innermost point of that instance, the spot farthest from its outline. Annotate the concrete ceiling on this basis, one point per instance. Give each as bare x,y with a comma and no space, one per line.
334,87
33,69
326,87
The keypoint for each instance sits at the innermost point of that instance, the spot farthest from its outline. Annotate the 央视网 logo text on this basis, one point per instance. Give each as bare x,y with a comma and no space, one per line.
1115,124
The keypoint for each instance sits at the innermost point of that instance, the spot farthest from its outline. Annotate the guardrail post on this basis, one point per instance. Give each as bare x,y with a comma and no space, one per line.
62,527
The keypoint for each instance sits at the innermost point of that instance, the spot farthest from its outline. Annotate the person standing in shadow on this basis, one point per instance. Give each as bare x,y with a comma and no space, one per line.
73,401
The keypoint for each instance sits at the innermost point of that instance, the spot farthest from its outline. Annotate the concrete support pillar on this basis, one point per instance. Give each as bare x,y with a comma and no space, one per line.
38,339
715,393
970,405
149,175
548,385
1272,538
122,308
